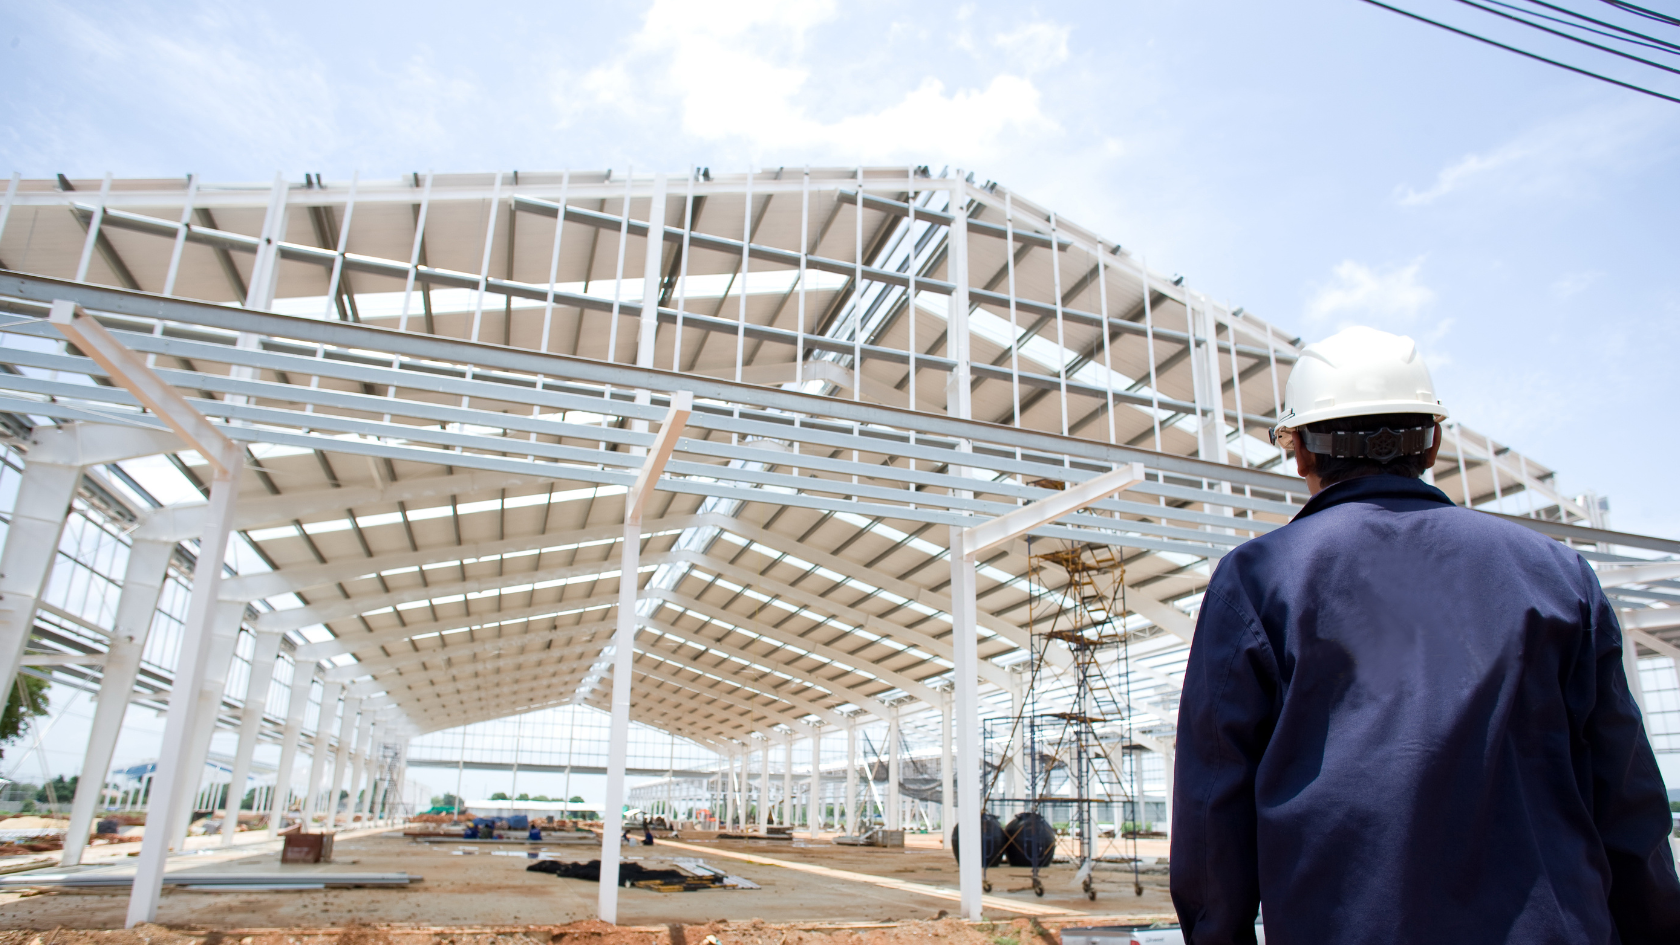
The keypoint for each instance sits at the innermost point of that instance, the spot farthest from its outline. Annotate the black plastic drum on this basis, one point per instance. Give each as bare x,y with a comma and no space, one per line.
991,840
1029,841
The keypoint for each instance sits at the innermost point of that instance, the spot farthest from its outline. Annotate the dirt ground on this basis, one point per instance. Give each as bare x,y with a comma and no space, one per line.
487,891
752,932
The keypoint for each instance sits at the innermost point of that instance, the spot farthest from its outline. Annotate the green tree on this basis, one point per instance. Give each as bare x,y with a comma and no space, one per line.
542,797
576,799
499,796
33,704
523,797
61,791
449,801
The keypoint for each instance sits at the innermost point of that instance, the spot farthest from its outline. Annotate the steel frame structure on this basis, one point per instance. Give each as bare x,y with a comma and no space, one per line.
885,364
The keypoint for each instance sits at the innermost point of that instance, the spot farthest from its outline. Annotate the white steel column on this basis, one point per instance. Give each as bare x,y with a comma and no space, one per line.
172,779
740,779
143,576
894,801
624,636
370,780
764,787
964,639
1630,664
361,789
360,749
1168,758
341,757
946,795
647,327
51,474
788,816
1013,772
966,547
266,651
226,464
42,505
320,745
229,614
814,817
399,778
731,794
965,645
720,791
849,825
303,673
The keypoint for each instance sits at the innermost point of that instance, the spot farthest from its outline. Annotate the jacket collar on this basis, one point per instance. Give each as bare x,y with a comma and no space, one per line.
1366,488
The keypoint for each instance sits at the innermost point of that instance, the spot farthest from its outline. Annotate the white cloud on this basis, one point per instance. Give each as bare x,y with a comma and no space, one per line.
1035,46
1359,292
201,64
1553,158
1465,169
1574,283
739,74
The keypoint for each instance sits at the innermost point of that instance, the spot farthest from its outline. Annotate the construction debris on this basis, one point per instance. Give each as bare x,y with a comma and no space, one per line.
691,875
874,837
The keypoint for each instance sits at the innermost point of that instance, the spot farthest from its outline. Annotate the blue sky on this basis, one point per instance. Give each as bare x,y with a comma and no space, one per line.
1321,162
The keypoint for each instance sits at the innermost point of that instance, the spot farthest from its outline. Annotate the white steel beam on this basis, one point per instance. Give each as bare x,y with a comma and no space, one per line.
1652,618
471,668
726,671
785,638
180,522
1639,574
300,578
831,607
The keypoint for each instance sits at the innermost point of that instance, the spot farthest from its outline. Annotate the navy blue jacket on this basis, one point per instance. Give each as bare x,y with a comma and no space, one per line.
1407,722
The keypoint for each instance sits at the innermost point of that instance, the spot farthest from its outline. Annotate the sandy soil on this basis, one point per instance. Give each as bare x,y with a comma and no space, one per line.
486,890
752,932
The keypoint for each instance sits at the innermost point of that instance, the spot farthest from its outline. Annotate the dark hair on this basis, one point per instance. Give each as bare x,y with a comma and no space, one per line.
1333,469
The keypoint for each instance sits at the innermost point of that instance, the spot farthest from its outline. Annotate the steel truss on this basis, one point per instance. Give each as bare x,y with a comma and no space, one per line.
787,581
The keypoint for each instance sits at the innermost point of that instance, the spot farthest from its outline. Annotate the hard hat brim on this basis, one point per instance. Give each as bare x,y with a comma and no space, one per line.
1363,409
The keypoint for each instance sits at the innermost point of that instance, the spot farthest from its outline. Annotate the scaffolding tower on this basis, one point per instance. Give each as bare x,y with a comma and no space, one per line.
1061,745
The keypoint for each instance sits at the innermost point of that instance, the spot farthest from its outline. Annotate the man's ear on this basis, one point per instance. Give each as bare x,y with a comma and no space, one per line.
1304,465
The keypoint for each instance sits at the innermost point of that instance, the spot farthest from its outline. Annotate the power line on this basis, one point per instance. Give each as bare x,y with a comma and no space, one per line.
1641,40
1641,11
1573,39
1523,52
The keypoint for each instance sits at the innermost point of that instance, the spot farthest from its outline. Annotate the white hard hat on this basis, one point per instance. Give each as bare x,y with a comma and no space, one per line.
1357,372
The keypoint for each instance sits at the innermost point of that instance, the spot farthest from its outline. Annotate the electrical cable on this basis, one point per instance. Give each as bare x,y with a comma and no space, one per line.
1650,42
1523,52
1574,39
1641,11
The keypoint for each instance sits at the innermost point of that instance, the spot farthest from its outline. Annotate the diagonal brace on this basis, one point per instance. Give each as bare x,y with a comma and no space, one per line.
127,369
1009,526
635,502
